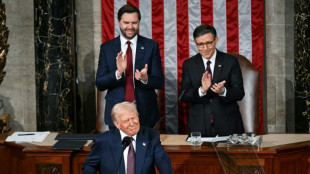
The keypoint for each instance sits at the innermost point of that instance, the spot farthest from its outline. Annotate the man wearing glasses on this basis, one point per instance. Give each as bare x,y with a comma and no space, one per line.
213,84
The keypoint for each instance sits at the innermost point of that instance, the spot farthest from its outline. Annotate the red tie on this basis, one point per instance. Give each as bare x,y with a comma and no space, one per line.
131,159
129,90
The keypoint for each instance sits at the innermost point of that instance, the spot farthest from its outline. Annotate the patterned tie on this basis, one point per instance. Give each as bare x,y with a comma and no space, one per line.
131,159
129,90
209,70
208,67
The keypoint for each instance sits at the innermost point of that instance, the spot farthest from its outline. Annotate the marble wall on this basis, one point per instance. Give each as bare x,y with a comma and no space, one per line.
88,39
302,65
279,66
55,59
18,88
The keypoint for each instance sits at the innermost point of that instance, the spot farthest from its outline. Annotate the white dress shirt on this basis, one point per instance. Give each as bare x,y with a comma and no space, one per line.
212,64
124,47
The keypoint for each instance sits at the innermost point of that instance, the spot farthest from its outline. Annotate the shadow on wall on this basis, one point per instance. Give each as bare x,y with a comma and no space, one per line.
8,108
86,96
290,106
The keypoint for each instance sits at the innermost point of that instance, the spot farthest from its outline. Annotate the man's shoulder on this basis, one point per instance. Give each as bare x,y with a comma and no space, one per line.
111,42
105,136
148,132
192,59
225,55
145,39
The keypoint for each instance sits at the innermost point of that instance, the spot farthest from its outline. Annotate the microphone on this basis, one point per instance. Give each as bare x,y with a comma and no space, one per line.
125,143
182,93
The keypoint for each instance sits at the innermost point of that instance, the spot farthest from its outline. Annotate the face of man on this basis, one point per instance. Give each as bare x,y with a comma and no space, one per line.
128,123
129,25
206,45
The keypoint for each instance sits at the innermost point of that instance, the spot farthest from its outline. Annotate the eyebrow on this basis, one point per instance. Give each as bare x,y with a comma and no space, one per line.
206,42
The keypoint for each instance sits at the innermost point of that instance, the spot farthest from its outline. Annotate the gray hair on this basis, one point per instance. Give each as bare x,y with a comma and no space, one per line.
123,108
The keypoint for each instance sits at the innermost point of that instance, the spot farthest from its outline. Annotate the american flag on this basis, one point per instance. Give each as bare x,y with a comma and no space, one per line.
239,25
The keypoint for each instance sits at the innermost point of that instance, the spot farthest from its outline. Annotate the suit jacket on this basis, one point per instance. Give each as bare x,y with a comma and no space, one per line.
225,110
107,151
145,96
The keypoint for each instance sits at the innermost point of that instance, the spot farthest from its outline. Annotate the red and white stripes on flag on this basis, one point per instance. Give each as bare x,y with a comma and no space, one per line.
239,24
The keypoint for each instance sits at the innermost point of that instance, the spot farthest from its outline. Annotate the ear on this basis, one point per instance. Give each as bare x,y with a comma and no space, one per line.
216,40
116,124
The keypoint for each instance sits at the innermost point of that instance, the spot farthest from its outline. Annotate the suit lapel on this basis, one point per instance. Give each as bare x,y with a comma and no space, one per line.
115,48
141,147
117,45
218,67
139,53
199,65
116,149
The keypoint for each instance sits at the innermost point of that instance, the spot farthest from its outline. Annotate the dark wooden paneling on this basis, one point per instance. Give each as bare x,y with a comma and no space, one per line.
290,158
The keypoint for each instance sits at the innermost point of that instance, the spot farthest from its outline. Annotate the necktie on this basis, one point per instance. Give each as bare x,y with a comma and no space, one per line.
208,67
131,159
209,70
129,90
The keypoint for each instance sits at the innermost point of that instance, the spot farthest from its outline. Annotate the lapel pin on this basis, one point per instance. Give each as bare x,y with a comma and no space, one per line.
142,48
144,144
220,66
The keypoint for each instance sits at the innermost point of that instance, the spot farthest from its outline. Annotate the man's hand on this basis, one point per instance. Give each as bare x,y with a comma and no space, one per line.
121,63
218,87
142,75
206,82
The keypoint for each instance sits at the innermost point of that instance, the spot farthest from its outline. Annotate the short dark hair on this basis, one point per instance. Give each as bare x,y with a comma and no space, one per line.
204,29
128,8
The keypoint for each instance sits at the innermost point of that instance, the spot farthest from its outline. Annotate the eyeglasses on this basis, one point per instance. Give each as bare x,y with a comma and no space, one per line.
207,44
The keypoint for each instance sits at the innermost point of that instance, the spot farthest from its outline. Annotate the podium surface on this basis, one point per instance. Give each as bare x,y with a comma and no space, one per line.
280,153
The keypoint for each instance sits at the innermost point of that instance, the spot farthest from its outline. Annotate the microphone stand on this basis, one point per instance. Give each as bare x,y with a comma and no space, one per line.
125,143
182,93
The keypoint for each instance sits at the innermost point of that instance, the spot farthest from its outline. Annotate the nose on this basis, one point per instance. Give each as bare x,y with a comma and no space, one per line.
130,122
205,47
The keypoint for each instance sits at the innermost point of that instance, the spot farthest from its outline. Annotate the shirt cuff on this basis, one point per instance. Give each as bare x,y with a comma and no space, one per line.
145,82
117,78
201,94
223,94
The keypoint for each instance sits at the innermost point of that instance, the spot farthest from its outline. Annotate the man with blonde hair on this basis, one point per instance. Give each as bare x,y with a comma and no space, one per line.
144,149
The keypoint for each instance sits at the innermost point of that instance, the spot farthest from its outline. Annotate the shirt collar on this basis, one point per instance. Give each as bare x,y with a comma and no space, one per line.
125,135
124,40
212,59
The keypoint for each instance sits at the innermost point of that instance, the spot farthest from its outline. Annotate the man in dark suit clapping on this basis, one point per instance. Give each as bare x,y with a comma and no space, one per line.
130,69
213,84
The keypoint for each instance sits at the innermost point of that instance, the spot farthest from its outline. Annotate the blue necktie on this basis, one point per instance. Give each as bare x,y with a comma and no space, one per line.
209,70
208,67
